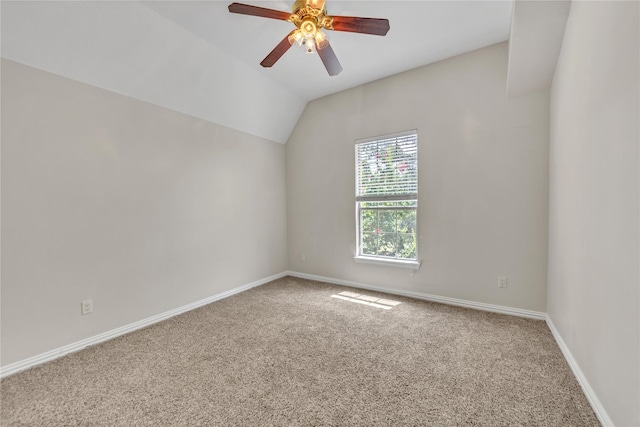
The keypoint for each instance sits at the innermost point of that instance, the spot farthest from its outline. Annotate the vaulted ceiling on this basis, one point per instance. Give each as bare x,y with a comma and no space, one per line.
197,58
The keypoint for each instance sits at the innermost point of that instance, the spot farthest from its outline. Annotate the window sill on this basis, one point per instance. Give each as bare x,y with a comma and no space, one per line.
413,265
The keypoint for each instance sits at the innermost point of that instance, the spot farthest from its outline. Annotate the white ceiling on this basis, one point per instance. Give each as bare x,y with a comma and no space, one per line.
197,58
421,32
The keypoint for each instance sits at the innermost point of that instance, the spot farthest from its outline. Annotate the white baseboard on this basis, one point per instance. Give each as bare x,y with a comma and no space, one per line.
427,297
599,410
30,362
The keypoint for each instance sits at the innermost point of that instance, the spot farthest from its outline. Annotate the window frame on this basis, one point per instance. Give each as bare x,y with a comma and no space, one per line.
359,200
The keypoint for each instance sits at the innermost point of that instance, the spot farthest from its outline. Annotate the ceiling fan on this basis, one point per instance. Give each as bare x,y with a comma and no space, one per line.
310,18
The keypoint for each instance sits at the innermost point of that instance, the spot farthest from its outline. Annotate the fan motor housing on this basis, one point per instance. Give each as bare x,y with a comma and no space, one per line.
305,15
299,6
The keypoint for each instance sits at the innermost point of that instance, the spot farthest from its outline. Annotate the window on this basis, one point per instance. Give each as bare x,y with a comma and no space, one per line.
387,199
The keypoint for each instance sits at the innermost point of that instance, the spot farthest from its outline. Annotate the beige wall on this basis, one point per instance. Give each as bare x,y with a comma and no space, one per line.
483,181
593,203
137,207
143,209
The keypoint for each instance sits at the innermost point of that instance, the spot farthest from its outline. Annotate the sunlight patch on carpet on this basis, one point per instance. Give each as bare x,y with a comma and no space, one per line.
383,303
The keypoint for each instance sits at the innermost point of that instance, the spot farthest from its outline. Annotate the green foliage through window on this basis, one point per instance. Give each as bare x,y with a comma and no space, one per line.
389,232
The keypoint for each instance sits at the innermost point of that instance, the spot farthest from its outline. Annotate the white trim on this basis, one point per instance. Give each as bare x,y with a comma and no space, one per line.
30,362
599,410
595,403
388,136
428,297
413,265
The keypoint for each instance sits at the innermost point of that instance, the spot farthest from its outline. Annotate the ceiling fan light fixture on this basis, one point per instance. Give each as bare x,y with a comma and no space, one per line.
296,37
321,40
309,46
310,37
299,38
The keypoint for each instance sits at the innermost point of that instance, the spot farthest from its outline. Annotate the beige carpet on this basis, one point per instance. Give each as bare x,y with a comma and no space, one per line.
288,354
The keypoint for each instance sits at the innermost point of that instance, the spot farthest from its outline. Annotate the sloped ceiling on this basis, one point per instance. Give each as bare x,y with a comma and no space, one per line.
130,49
537,30
197,58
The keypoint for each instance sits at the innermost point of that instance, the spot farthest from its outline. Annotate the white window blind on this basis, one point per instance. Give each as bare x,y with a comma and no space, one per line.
387,169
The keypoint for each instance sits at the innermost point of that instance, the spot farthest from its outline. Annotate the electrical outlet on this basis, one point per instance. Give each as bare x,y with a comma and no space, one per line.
86,307
303,258
502,281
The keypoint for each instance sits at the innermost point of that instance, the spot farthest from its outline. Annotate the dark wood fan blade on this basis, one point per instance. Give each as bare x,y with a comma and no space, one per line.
330,60
246,9
277,52
353,24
